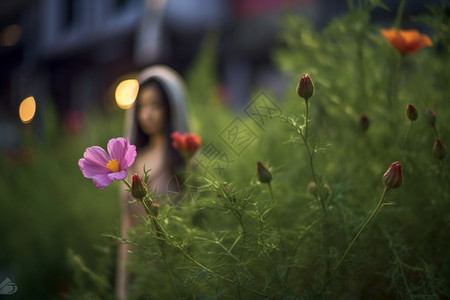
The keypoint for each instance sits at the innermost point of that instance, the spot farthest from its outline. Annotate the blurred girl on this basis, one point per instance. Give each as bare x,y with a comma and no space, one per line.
158,111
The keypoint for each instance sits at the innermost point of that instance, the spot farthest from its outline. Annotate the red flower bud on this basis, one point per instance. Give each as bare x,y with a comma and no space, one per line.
439,150
393,176
305,87
262,173
411,112
138,187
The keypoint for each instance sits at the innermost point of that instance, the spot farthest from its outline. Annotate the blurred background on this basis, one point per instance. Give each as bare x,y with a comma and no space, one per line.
61,62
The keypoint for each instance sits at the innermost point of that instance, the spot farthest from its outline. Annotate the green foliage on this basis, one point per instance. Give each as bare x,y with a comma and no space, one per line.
48,207
234,238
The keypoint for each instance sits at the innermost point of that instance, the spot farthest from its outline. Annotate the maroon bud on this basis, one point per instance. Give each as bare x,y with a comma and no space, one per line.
305,87
364,122
412,112
138,187
439,149
431,116
393,177
262,173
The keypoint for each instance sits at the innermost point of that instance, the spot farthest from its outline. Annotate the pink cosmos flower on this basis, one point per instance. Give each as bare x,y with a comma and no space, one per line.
102,167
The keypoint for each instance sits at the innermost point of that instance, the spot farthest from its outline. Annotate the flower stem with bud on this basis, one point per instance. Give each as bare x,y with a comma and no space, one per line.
349,247
392,179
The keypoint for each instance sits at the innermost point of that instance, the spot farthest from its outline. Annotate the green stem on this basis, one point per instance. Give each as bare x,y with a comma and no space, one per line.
169,270
446,174
407,133
372,215
199,264
398,18
393,97
435,132
274,267
270,190
127,183
306,119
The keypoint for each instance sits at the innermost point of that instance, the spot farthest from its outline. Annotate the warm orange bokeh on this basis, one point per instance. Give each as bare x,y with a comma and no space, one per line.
407,41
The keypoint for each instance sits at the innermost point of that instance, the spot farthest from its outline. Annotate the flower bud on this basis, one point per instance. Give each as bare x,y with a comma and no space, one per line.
411,112
431,116
439,149
262,173
138,187
393,176
305,87
155,208
324,193
187,144
364,122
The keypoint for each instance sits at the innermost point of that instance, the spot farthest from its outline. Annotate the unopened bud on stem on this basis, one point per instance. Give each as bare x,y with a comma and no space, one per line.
262,173
393,177
305,87
138,187
411,112
439,150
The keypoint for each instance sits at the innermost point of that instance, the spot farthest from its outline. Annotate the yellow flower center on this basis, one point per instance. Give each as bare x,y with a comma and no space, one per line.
113,165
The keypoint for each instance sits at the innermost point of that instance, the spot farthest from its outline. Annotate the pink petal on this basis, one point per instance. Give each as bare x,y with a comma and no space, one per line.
118,175
117,148
97,154
102,181
121,150
94,162
130,156
90,169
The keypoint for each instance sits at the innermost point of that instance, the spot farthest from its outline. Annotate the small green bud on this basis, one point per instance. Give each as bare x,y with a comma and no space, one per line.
324,193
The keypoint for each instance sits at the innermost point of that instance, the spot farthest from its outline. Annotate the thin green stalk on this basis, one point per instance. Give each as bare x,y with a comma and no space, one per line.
272,264
435,132
270,190
127,183
306,119
169,270
393,96
297,245
446,174
398,18
407,133
160,245
199,264
372,215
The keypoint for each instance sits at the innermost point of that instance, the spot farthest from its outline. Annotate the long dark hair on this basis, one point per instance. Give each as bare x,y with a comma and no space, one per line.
174,159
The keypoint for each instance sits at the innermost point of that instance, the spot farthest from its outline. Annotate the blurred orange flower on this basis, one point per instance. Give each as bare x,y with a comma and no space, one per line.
406,41
187,144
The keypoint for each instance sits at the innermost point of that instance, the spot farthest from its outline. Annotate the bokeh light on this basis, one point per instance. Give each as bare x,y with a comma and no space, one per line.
10,35
27,109
126,93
